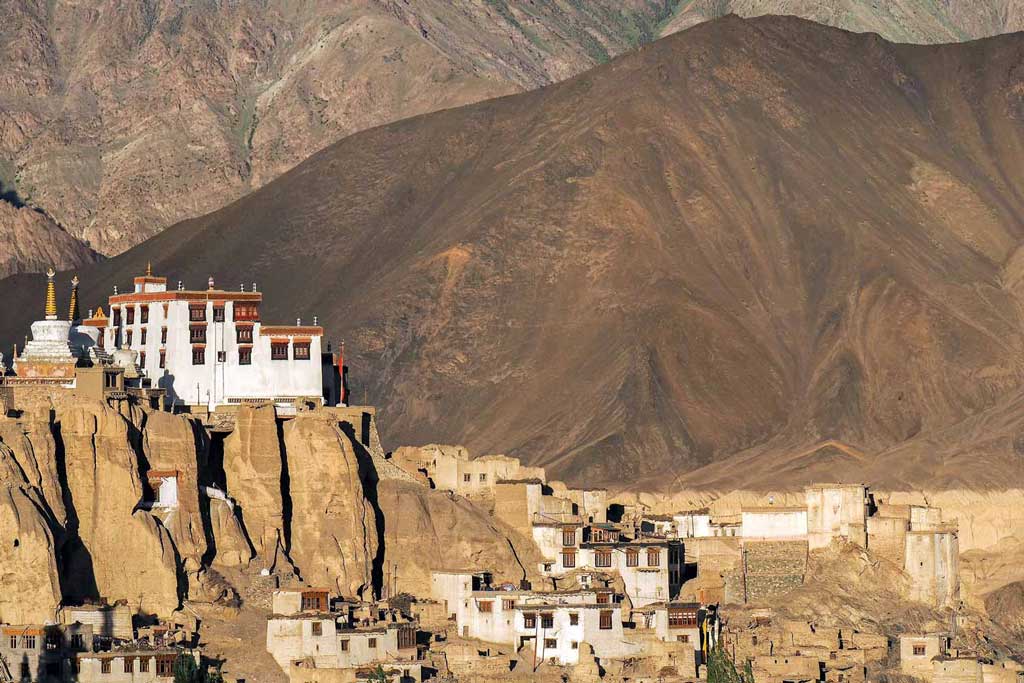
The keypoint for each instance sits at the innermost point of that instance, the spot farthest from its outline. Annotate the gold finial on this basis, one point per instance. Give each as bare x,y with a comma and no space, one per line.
51,296
149,269
73,307
99,314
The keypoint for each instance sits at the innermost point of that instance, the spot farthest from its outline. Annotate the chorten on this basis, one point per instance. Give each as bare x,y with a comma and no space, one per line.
47,357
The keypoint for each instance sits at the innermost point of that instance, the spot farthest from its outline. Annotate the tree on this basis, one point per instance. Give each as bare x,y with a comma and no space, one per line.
186,670
721,668
378,675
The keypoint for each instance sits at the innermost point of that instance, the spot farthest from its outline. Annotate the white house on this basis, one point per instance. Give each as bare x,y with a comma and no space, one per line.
774,522
651,570
693,524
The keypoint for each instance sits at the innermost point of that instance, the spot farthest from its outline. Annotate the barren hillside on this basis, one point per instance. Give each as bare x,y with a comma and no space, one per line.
755,234
118,121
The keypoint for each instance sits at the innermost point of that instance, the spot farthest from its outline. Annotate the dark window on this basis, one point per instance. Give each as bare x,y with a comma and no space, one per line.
165,666
279,351
144,665
142,336
128,338
574,619
603,558
318,628
632,558
28,642
246,312
406,637
222,356
197,313
314,602
130,315
529,620
301,352
550,643
117,317
198,355
245,355
78,641
682,617
102,342
547,620
486,606
243,334
197,334
919,650
372,642
142,359
14,642
163,358
684,638
163,335
604,598
344,645
218,314
129,665
507,604
104,666
568,559
606,620
467,478
568,537
144,314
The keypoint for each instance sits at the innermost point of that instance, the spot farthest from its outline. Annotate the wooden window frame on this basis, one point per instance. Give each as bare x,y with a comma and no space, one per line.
245,355
603,558
276,353
301,350
198,355
605,620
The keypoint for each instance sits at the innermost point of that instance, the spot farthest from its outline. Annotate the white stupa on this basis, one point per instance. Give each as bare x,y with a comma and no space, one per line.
48,355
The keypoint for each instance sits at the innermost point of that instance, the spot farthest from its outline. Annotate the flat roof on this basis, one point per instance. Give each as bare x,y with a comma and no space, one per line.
773,508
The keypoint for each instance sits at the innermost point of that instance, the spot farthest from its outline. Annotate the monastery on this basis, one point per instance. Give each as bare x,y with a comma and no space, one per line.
180,349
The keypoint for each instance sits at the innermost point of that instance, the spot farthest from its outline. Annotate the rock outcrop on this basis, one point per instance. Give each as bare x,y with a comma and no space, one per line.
333,540
252,469
32,242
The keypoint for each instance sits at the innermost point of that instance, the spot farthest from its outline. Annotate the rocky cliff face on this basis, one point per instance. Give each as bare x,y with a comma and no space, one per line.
32,242
121,121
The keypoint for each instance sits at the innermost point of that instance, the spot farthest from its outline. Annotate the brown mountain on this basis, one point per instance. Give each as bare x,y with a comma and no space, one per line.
118,121
755,234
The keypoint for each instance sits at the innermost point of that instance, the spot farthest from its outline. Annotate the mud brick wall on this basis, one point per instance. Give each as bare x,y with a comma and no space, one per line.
773,567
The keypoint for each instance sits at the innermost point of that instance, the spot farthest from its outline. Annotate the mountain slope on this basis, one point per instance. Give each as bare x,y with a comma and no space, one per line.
754,232
119,121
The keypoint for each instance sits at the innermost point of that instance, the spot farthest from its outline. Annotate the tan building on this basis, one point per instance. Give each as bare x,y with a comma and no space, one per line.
836,511
917,650
931,560
130,665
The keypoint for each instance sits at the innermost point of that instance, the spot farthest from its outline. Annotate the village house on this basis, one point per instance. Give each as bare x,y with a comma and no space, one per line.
917,650
836,511
307,626
42,653
651,569
773,522
692,524
130,664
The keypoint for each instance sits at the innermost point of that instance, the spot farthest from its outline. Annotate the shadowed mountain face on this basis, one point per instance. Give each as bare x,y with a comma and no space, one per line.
755,234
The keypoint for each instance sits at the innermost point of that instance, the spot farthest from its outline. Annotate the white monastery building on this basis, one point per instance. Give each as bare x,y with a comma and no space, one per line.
210,347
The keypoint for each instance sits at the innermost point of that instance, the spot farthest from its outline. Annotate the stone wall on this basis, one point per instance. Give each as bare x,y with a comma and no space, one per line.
887,537
772,568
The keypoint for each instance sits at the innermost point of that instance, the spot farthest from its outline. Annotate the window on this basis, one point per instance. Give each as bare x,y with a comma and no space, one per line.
142,336
53,640
344,645
682,617
550,643
529,620
568,537
218,314
78,641
301,350
130,315
163,358
279,351
372,643
918,650
547,620
632,558
142,359
129,665
197,334
128,338
222,356
568,559
483,478
243,334
104,666
197,312
165,666
466,478
28,642
683,638
245,355
318,628
575,645
606,620
486,606
163,335
199,355
26,671
117,317
603,558
246,312
653,557
574,618
14,642
507,604
604,598
314,601
406,637
144,314
102,341
144,665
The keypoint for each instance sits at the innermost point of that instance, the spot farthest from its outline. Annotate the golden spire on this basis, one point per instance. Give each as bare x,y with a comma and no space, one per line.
73,307
51,296
149,269
99,314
